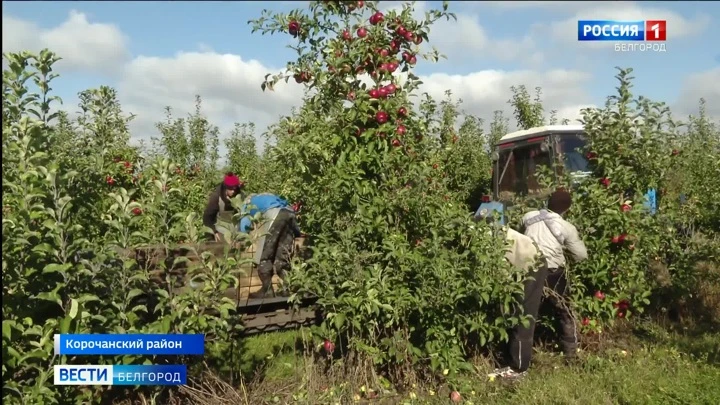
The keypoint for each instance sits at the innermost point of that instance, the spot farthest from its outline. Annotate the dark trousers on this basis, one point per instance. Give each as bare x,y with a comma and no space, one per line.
276,254
521,338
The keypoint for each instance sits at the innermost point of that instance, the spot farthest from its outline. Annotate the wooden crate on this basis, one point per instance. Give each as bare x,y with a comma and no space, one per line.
250,281
151,257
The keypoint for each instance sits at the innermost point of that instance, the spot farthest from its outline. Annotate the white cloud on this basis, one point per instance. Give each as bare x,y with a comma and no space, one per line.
701,85
230,90
228,84
486,91
572,112
465,40
83,45
536,4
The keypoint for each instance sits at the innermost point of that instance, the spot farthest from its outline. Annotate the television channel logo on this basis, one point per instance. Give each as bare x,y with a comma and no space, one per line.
622,31
172,374
83,375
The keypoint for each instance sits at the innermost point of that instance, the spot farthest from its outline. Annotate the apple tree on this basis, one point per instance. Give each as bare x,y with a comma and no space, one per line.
77,198
404,274
529,113
630,144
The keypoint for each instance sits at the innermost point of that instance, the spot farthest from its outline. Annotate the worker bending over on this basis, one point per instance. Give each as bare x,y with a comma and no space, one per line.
552,234
277,232
219,207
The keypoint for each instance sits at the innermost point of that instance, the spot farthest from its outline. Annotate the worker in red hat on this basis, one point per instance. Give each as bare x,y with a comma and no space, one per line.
219,206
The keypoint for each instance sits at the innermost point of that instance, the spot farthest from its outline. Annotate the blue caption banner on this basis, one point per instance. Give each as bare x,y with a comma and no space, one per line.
611,30
175,374
142,344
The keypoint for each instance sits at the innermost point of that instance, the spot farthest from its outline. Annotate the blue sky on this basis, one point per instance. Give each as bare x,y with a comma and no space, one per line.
159,53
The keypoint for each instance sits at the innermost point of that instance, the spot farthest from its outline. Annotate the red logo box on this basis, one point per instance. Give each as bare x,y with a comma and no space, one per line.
656,30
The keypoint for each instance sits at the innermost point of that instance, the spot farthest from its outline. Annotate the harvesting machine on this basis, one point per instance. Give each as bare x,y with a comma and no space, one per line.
518,155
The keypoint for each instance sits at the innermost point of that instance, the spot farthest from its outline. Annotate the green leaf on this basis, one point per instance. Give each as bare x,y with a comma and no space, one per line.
50,296
339,321
133,293
74,307
87,298
35,354
65,324
7,327
57,268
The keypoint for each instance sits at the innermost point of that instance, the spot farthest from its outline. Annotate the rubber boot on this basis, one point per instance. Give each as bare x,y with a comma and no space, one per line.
570,353
266,291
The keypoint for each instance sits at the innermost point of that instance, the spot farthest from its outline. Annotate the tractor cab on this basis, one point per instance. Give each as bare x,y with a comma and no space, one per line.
517,160
518,157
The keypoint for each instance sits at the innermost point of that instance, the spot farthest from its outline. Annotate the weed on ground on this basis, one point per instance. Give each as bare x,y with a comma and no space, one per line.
638,364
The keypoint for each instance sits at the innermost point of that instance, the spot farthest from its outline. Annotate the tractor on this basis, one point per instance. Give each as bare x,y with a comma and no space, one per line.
518,155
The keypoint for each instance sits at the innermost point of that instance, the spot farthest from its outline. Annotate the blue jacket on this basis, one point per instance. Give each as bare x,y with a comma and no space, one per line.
260,203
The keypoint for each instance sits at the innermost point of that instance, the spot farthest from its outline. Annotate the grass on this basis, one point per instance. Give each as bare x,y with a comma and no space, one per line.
273,355
654,375
641,364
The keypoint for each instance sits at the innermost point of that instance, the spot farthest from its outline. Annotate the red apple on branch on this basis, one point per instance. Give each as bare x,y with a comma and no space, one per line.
294,28
329,346
381,117
377,18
